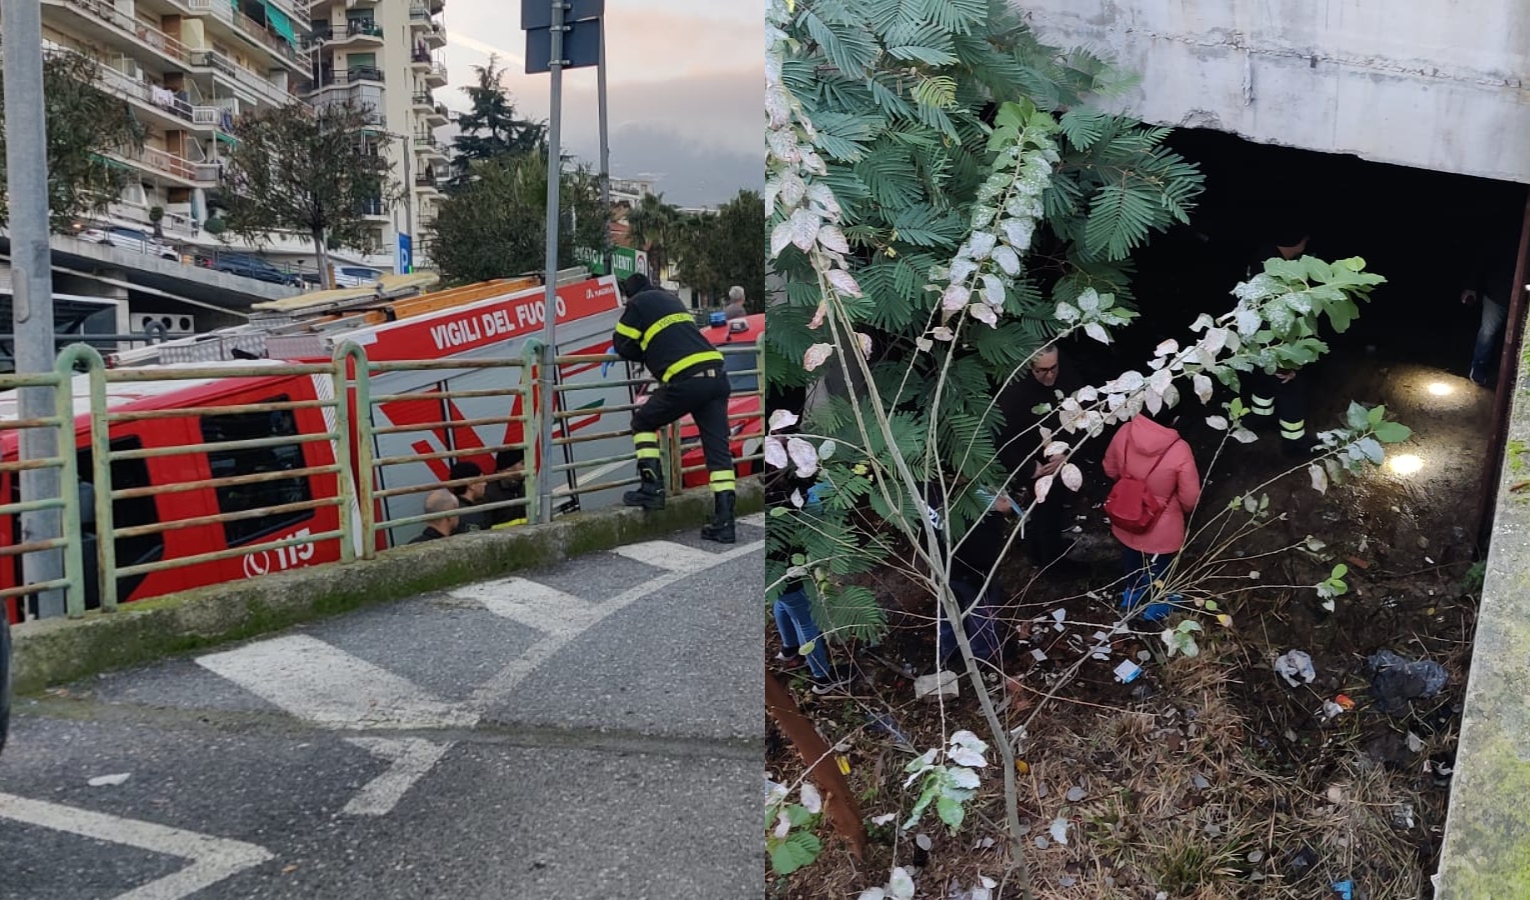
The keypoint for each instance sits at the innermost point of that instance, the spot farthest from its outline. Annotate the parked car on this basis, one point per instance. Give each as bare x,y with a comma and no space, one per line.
345,277
247,266
130,239
355,276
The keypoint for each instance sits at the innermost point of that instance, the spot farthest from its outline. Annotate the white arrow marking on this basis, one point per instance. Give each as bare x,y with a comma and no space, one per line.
212,859
327,686
530,603
669,555
757,520
411,758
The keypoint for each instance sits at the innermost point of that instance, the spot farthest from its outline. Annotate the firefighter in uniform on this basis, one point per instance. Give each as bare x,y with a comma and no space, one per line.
657,331
1282,395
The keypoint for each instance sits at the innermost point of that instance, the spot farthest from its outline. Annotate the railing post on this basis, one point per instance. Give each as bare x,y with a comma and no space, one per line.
531,429
69,472
345,478
360,475
101,477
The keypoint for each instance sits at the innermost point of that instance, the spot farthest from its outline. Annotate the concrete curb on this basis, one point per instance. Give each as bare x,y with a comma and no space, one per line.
56,651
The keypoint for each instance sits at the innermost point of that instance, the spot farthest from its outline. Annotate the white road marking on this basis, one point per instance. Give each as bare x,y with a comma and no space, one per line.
327,686
411,758
669,555
503,684
757,520
212,859
530,603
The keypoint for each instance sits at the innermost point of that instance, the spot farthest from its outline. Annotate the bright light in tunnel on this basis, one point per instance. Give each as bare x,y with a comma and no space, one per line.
1406,464
1441,389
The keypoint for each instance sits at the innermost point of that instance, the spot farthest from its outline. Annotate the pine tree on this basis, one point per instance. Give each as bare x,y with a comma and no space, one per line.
490,129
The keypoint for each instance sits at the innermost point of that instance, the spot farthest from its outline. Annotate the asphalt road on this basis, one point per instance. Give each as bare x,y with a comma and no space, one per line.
592,730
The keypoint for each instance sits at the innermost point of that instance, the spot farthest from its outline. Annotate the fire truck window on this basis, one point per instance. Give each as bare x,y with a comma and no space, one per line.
126,513
257,460
743,371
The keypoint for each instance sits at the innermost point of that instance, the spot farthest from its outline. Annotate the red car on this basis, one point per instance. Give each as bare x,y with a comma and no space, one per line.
746,420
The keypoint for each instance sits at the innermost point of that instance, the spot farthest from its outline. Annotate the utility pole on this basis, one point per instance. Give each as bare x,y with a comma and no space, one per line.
565,33
550,303
32,281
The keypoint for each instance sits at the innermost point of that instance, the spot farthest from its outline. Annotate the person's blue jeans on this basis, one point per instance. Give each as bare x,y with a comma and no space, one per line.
794,620
1142,569
981,623
1493,317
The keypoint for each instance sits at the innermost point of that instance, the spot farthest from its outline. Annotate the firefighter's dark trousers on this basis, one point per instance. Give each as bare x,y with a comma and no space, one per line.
703,393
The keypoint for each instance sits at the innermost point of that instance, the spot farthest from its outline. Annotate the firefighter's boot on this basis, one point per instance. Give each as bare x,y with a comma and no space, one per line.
650,491
720,529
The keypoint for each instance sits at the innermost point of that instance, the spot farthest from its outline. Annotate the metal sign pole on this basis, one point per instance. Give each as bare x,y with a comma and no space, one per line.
605,152
550,310
26,162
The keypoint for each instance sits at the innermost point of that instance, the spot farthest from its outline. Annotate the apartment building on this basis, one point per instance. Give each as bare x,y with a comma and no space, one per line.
387,55
187,68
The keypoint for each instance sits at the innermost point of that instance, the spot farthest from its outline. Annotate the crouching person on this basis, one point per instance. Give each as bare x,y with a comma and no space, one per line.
978,595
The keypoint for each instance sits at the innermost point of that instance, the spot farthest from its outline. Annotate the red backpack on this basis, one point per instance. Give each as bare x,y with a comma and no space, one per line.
1131,506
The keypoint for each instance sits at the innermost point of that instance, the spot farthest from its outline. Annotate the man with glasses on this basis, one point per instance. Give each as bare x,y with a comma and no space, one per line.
1021,446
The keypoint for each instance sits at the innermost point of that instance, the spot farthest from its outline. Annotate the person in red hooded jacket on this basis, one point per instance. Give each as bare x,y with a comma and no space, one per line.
1149,448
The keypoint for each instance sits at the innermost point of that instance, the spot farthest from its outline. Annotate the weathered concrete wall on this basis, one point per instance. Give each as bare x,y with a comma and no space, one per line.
1487,831
1436,85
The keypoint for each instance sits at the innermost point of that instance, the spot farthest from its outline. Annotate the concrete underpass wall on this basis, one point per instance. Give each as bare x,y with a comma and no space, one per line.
1487,832
1432,85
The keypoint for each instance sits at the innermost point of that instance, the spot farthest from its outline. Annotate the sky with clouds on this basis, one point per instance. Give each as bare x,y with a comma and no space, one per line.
685,80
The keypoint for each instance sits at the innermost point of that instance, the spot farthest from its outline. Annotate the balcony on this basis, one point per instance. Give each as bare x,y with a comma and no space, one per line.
174,108
426,147
439,115
247,28
436,76
434,36
358,31
419,15
373,209
103,23
240,77
422,103
188,172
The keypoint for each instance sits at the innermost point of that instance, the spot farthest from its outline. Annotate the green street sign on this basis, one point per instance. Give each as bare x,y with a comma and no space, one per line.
624,261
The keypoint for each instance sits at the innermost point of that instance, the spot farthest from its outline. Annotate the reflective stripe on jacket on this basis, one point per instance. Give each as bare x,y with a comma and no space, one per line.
657,331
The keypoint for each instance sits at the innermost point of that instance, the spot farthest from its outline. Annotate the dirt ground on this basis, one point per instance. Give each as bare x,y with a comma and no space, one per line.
1208,777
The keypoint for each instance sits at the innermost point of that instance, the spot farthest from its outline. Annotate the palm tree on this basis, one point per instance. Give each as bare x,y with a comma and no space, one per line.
657,227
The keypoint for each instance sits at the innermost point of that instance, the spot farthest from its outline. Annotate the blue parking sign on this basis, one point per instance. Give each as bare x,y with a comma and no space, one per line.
403,261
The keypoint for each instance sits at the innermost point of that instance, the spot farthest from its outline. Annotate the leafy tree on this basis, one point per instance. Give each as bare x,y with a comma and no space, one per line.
658,228
310,170
943,200
490,129
495,226
723,249
84,124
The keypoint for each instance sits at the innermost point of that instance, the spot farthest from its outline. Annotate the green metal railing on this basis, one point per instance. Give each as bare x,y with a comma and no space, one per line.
350,408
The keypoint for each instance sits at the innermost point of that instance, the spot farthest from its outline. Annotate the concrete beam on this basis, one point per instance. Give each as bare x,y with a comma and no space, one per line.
57,651
1420,89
